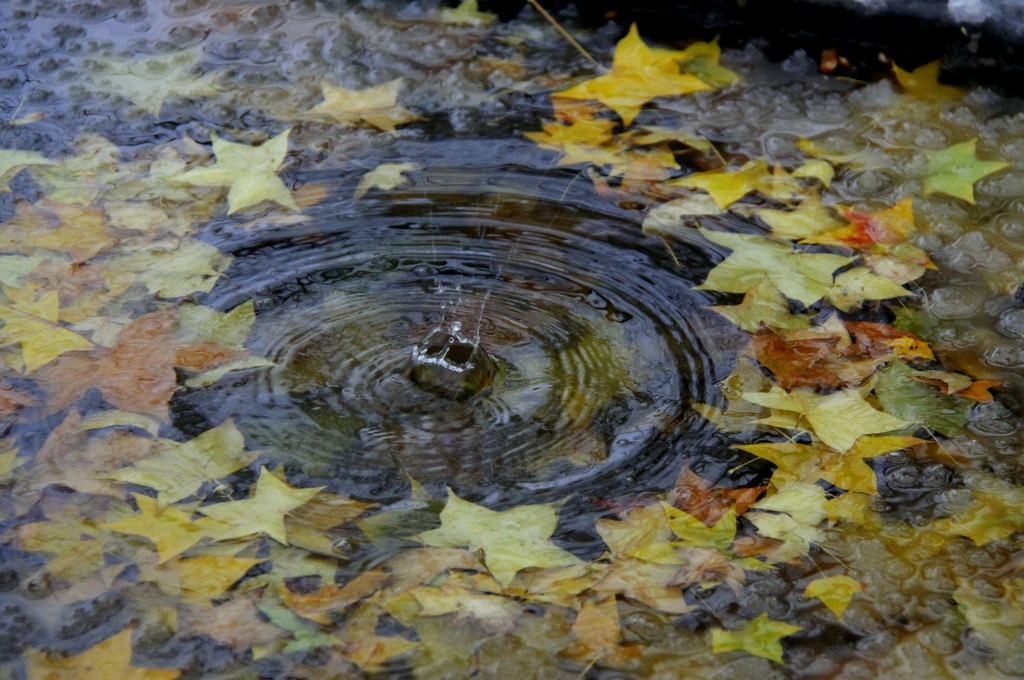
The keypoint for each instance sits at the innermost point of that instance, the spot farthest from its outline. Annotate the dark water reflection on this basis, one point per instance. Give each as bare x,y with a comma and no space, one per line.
600,343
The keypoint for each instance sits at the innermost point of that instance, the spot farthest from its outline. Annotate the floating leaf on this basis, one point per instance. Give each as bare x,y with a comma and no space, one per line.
853,287
177,469
795,512
262,512
639,74
149,81
172,269
172,530
763,305
32,324
838,419
13,161
512,540
728,186
923,83
823,356
111,658
250,172
385,176
136,374
914,401
806,220
468,12
377,105
806,277
761,637
955,169
835,592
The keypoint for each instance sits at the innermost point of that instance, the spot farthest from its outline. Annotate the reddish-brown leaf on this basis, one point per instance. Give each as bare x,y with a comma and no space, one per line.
137,374
703,500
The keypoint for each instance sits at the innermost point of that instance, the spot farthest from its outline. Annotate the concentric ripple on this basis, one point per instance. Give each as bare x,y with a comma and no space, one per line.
595,335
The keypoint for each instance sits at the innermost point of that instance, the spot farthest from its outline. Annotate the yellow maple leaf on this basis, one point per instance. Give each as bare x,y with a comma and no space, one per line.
761,637
923,83
149,81
835,592
468,12
729,186
263,511
109,659
385,176
33,325
639,74
583,131
838,419
249,172
172,530
197,580
377,105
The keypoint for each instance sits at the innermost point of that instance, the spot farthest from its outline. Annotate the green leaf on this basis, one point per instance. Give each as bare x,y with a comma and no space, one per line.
955,170
512,540
305,634
912,400
806,277
761,637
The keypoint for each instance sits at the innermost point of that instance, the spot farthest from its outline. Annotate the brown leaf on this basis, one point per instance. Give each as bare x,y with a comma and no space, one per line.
236,623
822,356
76,458
878,339
706,502
79,231
136,374
320,605
13,399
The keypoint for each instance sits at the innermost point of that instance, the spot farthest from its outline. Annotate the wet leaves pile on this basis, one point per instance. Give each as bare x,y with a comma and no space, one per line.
129,548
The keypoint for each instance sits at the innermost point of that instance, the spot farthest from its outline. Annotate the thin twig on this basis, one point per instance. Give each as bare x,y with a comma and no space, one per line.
565,34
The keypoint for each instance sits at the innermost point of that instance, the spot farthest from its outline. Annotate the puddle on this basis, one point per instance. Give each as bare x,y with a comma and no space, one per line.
449,384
